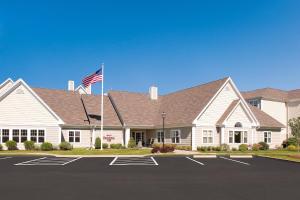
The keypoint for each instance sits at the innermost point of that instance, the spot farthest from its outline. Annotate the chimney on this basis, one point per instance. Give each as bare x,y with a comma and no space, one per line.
71,86
88,89
153,92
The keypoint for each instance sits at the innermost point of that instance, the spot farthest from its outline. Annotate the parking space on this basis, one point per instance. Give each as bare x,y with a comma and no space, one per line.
4,158
140,178
138,161
51,161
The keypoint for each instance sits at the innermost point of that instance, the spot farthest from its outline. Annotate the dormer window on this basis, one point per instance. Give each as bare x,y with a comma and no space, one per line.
255,102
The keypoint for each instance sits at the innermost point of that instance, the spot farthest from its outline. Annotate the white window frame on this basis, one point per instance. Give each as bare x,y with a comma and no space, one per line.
160,135
242,136
74,141
268,139
37,134
255,102
173,132
207,136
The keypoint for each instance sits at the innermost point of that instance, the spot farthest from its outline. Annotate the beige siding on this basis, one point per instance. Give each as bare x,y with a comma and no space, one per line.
199,136
117,135
213,113
5,87
278,137
275,109
238,115
22,108
85,137
185,133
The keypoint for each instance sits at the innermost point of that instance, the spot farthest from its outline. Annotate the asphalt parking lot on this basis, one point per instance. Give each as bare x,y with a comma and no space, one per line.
147,178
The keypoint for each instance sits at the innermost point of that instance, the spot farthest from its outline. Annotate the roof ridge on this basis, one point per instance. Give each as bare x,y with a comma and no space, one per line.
189,88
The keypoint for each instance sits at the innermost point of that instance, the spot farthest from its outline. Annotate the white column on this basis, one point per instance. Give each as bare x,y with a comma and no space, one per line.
252,133
194,146
93,137
222,135
59,135
127,136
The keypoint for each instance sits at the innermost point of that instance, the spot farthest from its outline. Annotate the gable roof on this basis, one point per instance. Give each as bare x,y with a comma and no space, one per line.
79,110
265,120
2,85
21,82
227,112
182,107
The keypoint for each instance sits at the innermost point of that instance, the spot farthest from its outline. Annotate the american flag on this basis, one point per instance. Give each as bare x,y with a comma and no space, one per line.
96,77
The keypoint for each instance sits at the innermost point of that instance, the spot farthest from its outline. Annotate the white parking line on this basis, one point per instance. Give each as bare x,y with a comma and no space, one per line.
49,161
195,161
122,161
244,163
22,163
4,158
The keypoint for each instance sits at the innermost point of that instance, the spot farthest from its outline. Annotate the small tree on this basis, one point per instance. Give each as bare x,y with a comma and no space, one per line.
295,127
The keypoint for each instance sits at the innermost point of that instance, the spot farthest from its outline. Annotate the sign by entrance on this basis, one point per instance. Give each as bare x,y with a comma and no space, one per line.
108,138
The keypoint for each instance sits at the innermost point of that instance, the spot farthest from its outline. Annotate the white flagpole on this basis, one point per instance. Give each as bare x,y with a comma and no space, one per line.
102,106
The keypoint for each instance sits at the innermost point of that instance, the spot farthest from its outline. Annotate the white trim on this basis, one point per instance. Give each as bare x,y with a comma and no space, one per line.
9,80
271,133
194,146
21,82
81,87
179,132
242,135
72,130
213,135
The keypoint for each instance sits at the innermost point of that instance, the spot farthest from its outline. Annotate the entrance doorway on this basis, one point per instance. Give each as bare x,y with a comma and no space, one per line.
237,137
138,136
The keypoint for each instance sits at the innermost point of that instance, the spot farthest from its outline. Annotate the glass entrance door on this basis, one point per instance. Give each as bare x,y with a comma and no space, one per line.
138,136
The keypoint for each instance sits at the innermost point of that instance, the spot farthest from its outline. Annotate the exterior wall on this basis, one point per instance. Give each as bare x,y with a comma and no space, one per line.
238,115
52,133
86,135
21,108
185,133
213,113
278,136
5,87
275,109
199,136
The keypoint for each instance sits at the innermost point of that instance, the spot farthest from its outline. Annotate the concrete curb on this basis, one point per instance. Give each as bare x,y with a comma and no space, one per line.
205,156
240,156
99,156
282,159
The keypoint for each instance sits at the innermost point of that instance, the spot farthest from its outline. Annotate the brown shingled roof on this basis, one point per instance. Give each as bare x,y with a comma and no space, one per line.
227,112
70,107
267,93
182,107
264,119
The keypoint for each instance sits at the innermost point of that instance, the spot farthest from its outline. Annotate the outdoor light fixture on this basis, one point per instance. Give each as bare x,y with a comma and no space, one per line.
163,115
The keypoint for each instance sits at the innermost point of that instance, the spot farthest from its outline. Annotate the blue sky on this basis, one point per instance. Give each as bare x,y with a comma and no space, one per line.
171,44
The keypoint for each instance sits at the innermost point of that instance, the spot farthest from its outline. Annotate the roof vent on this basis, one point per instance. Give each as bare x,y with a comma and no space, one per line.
153,92
71,86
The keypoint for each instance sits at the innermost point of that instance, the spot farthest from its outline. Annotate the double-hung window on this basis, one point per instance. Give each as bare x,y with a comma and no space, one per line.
16,135
207,136
41,136
160,136
5,135
267,136
23,135
37,136
74,136
231,137
175,136
33,135
245,137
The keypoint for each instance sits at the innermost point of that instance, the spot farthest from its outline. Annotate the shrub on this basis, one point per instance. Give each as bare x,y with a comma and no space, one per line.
98,143
167,148
292,148
29,145
116,146
1,147
155,149
185,148
292,141
201,149
46,146
65,146
225,147
105,145
263,146
234,149
209,148
132,143
217,148
11,145
243,147
256,147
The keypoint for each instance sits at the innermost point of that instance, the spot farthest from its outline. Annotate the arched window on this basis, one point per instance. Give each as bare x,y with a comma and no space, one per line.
238,125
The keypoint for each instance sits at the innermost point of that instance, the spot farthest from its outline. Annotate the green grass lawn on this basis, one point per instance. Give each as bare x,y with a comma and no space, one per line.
83,151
